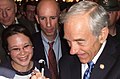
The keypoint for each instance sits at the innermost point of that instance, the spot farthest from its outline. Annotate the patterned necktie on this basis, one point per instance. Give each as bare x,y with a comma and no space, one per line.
88,70
52,62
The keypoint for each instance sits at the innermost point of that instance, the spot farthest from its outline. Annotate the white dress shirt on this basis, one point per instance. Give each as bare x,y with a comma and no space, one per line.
85,66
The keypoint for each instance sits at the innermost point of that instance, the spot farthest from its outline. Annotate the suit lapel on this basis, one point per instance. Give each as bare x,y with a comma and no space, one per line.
38,47
105,61
42,49
102,67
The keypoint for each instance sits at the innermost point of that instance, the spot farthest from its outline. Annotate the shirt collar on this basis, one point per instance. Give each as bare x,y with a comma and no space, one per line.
16,22
46,40
99,52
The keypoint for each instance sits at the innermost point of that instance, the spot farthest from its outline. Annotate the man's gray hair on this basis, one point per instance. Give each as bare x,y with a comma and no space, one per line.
98,16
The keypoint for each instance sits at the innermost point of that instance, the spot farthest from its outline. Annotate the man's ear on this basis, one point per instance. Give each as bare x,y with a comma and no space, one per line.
15,5
36,16
104,34
8,53
118,15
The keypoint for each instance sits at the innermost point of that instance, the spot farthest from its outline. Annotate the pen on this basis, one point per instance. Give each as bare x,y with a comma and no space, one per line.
42,72
42,63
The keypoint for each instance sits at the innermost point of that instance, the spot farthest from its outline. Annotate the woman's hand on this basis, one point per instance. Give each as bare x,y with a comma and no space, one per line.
37,75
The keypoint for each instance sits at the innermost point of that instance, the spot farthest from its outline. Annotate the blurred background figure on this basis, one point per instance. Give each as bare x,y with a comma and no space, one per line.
113,8
18,44
20,10
30,10
8,10
63,9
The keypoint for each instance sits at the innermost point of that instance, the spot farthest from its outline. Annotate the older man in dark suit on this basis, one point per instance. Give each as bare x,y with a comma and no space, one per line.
94,54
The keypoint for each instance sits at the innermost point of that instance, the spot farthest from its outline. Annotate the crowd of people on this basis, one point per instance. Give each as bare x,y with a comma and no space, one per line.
44,40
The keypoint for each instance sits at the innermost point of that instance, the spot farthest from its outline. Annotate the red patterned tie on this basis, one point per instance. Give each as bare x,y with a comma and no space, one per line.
52,62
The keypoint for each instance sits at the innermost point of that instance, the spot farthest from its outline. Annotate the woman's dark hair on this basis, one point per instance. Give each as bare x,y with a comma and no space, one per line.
12,30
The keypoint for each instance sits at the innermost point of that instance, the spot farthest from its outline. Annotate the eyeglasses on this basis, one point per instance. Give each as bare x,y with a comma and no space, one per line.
18,50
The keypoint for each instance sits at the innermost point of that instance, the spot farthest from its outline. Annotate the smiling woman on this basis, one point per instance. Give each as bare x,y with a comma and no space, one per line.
17,42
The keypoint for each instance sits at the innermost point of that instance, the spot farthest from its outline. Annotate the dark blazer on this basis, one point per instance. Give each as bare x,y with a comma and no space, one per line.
70,66
28,24
3,57
39,47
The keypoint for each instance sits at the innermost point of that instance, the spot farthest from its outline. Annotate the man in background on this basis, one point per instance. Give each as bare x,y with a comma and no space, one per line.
8,10
48,17
113,8
30,9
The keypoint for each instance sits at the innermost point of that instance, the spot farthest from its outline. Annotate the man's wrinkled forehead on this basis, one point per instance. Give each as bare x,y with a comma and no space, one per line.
7,1
7,4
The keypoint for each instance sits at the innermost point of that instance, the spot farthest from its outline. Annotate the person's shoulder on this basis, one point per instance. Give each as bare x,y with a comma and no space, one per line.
36,35
24,20
67,63
112,40
113,46
6,73
69,59
1,29
7,64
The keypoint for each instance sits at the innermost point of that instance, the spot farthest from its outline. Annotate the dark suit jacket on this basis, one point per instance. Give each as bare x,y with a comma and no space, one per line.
3,57
70,66
29,25
39,47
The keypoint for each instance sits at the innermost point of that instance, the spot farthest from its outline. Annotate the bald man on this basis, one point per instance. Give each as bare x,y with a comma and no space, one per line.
7,17
7,14
47,16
